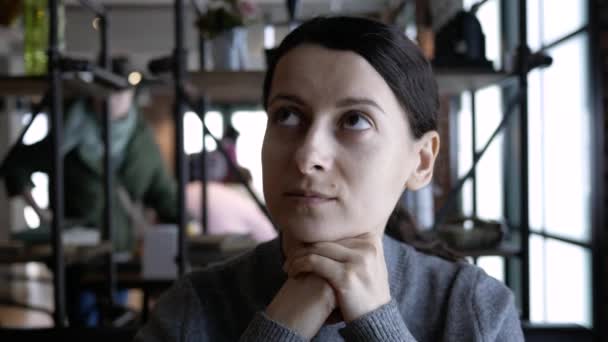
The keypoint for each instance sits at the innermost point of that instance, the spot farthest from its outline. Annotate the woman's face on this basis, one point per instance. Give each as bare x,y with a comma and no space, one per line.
338,150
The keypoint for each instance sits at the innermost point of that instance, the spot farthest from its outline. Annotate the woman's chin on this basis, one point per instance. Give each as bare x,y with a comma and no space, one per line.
314,233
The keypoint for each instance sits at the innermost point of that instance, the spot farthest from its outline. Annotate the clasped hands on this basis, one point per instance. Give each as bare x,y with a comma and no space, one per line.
348,275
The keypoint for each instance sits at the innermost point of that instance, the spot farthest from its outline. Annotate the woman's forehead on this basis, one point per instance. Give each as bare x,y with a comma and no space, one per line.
317,72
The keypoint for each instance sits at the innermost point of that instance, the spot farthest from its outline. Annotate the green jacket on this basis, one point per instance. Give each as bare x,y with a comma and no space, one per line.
141,173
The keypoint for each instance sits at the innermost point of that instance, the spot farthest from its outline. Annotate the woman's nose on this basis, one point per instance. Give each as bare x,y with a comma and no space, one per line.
314,153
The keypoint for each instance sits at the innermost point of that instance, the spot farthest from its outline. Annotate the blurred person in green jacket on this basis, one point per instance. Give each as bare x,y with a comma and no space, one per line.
139,173
140,177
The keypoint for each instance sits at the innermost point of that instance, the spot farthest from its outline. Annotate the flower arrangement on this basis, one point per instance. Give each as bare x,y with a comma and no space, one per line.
224,15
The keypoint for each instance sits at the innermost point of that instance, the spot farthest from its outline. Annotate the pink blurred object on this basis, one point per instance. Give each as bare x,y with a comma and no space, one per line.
230,211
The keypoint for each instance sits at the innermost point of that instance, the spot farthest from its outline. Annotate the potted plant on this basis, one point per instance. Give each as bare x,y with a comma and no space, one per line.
222,22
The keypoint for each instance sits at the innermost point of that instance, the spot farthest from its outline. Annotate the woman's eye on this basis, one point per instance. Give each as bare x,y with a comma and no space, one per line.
356,121
287,117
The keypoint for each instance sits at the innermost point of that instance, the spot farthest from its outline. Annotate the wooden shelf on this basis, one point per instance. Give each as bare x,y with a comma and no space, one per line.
44,252
247,86
229,87
75,83
236,87
455,81
23,85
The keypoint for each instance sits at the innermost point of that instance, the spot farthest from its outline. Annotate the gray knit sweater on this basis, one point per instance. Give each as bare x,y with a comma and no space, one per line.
432,300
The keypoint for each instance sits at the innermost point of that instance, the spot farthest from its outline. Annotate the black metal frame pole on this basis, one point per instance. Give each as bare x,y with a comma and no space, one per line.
523,54
56,189
203,164
598,191
179,64
108,179
474,143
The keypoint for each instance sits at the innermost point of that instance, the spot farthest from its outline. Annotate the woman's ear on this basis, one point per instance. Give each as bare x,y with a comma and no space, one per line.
427,148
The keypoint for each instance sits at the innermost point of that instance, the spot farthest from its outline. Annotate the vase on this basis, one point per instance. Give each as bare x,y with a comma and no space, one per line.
229,50
36,34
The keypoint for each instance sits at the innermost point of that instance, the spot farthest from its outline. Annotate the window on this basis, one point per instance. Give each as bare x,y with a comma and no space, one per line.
193,131
565,126
560,165
560,287
40,192
465,155
38,130
487,201
251,126
489,177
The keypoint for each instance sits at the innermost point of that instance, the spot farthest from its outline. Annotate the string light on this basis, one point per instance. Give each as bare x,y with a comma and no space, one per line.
134,78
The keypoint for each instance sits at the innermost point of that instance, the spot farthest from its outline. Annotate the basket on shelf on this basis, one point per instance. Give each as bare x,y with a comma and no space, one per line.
467,234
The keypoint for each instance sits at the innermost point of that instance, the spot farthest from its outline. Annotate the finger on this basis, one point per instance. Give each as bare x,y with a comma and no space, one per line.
326,268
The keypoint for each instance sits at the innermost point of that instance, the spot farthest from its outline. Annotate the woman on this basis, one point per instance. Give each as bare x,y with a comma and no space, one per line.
352,124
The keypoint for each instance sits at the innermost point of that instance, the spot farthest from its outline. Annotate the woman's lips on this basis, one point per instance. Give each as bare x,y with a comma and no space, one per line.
309,198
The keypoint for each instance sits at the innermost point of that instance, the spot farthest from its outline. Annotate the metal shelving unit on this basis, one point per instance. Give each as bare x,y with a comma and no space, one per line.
241,87
78,78
517,106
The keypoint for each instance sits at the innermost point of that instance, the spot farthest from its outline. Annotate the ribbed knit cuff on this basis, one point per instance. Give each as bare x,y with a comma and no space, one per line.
382,324
262,328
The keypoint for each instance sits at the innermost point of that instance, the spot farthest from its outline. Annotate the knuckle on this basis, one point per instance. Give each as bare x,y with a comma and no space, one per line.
311,259
349,275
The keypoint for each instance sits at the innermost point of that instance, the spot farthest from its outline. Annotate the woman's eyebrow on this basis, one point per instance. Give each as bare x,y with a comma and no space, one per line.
287,97
351,101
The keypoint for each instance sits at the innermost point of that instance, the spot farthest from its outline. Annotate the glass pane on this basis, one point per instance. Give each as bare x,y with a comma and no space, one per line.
32,220
215,123
38,130
465,132
494,266
568,283
534,22
465,151
489,174
561,18
251,126
40,192
560,282
566,140
538,285
535,148
193,131
467,198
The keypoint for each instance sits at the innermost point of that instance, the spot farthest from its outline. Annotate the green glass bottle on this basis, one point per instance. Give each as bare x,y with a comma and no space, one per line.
36,22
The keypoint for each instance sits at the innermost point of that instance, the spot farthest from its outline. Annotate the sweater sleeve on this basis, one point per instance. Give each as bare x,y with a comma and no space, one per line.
174,317
262,328
382,324
496,314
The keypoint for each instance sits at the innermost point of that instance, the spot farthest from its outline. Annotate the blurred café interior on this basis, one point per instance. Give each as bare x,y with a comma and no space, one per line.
100,213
